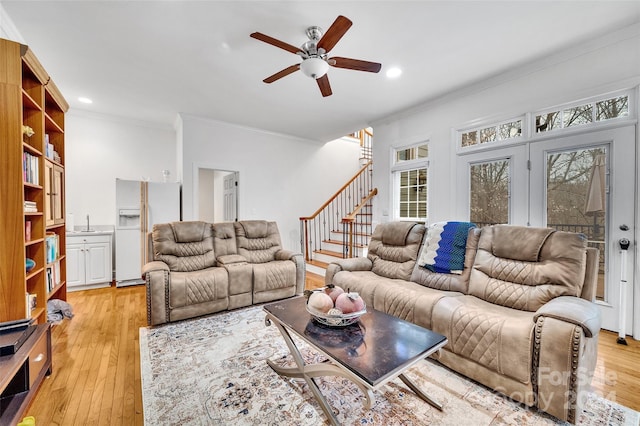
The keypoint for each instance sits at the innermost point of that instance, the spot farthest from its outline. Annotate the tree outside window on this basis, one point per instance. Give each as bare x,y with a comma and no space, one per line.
489,187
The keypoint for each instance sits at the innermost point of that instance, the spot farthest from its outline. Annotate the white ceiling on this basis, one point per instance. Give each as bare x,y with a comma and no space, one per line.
150,60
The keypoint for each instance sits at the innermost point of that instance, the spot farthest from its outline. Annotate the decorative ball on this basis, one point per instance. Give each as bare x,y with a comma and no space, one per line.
30,264
320,301
349,302
333,291
335,311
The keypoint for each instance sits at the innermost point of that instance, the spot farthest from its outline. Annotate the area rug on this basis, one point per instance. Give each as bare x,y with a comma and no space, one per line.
213,371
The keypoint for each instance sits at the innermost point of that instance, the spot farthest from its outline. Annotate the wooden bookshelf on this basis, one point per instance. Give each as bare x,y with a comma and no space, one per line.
32,184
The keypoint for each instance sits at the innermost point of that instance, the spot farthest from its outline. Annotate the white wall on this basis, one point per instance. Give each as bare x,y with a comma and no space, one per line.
99,149
600,66
206,195
8,29
281,178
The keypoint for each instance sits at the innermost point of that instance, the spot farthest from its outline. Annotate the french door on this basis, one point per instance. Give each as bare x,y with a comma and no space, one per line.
586,183
581,183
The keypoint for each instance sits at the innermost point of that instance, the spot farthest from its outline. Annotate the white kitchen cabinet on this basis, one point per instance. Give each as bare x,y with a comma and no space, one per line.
88,260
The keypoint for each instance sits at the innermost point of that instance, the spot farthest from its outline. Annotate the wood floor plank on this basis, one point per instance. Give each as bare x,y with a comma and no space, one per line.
96,362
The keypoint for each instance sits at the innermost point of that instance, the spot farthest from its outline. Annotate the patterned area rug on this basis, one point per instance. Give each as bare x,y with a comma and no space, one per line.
212,371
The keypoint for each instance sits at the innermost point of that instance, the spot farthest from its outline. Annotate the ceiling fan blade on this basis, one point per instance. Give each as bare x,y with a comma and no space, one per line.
355,64
275,42
334,33
285,72
325,87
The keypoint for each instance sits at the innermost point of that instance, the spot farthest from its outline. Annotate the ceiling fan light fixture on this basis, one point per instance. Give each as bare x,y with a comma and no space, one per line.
314,67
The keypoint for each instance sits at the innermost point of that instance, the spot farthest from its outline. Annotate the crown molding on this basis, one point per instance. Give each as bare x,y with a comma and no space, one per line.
246,128
158,125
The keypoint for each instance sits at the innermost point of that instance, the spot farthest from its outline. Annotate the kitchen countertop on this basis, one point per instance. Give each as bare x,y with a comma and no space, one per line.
98,230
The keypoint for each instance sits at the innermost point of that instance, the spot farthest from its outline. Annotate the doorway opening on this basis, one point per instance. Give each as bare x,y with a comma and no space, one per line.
217,195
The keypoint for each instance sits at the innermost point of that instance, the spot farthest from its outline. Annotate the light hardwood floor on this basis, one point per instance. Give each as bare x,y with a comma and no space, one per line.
96,362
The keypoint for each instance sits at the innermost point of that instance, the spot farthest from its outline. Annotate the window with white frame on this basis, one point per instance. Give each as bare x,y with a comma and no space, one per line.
585,113
506,130
409,172
582,113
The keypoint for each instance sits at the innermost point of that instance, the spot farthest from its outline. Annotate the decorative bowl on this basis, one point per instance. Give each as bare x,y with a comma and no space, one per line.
30,264
336,320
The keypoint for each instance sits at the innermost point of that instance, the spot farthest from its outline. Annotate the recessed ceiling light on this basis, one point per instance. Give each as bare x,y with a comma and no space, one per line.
85,100
394,72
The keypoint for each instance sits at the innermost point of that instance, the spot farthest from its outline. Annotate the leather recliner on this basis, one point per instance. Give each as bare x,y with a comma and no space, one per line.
199,268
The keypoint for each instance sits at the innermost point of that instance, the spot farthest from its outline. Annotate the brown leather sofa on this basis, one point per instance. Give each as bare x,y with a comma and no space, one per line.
199,268
519,319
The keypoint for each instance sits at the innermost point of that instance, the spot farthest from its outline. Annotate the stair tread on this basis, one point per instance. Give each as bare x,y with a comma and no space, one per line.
359,234
329,253
340,243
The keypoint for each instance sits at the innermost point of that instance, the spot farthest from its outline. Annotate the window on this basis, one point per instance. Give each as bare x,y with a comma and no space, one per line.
413,153
409,171
587,113
413,194
489,192
510,129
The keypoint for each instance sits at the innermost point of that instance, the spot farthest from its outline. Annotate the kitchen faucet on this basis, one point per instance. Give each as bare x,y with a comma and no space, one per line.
88,229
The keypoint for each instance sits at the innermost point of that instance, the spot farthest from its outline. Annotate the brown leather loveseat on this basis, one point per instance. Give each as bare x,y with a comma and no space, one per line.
519,318
199,268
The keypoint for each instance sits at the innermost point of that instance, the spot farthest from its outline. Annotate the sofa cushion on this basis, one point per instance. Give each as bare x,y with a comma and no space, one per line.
184,246
393,249
274,275
496,337
517,242
557,269
192,288
224,239
257,240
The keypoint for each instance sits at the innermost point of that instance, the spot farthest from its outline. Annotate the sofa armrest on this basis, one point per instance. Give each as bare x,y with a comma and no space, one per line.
155,265
230,259
286,254
351,265
157,278
573,310
564,358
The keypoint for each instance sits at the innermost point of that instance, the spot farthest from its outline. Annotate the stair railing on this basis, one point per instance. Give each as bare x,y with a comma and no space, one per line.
365,136
356,229
315,230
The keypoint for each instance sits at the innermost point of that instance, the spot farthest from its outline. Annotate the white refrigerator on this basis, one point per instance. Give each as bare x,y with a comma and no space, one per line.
140,205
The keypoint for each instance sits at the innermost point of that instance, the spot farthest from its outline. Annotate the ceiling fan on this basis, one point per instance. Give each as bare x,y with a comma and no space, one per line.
314,52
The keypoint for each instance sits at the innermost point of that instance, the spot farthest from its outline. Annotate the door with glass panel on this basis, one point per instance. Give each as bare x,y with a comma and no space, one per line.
496,186
585,183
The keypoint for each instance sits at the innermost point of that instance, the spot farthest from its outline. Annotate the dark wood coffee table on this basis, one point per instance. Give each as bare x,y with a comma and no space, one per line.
376,349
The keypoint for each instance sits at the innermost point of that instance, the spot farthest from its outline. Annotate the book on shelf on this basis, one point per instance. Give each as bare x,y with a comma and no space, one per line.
50,283
53,276
30,206
56,273
30,170
52,246
31,302
27,230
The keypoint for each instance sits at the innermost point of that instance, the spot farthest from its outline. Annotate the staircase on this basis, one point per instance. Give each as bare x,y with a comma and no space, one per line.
342,226
342,242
